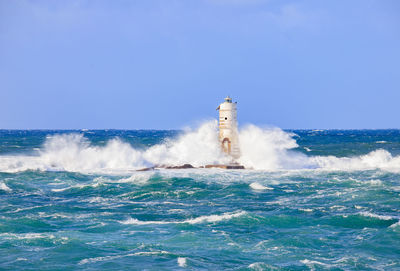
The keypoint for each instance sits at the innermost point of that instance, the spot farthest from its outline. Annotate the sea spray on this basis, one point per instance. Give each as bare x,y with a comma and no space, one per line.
197,147
268,149
378,159
265,149
73,152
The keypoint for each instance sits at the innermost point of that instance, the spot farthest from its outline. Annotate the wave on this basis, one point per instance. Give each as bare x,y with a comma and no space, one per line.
258,186
311,264
268,149
113,257
27,236
395,225
198,220
4,187
381,217
35,236
74,152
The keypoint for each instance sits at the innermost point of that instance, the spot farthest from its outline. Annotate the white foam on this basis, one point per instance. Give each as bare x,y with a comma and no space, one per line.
268,149
257,186
181,261
196,147
80,186
311,263
395,225
137,178
375,182
73,152
258,266
100,259
28,236
113,257
306,209
214,218
4,187
376,159
383,217
60,189
201,219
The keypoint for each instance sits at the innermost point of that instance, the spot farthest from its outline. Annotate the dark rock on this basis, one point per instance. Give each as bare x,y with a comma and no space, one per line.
180,167
145,169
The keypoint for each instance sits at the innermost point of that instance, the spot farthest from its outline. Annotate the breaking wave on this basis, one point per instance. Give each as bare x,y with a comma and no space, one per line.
198,220
261,149
257,186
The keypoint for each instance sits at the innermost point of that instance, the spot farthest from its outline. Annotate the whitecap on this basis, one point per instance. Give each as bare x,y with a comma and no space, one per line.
311,263
181,262
373,182
214,218
79,186
4,187
382,217
258,186
99,259
22,236
113,257
59,189
395,225
306,209
259,266
138,178
201,219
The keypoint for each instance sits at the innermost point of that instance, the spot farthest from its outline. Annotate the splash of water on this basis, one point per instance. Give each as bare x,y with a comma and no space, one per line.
74,152
261,149
269,149
197,147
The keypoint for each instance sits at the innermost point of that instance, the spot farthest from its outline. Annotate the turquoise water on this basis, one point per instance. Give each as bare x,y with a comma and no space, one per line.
77,203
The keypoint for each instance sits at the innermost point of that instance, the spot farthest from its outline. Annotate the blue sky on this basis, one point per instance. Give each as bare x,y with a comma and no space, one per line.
157,64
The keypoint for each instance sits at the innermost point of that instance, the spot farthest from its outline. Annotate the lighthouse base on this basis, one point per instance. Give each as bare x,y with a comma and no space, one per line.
234,166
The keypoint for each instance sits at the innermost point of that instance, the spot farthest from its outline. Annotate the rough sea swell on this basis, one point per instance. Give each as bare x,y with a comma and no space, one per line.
323,200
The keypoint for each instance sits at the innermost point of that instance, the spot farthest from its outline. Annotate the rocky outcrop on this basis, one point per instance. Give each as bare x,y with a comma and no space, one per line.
146,169
180,167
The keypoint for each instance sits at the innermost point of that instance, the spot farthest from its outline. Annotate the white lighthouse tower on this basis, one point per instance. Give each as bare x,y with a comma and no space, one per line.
228,128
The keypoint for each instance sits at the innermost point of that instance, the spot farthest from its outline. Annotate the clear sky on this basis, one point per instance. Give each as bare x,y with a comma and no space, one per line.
167,64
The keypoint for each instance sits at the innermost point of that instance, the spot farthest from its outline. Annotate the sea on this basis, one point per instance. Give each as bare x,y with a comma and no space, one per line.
307,200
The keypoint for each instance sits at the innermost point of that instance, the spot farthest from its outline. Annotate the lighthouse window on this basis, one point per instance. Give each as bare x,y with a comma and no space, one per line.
226,118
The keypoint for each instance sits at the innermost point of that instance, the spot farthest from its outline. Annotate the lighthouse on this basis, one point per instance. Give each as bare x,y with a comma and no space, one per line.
228,128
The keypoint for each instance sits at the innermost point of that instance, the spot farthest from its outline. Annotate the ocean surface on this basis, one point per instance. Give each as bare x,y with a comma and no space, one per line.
308,200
